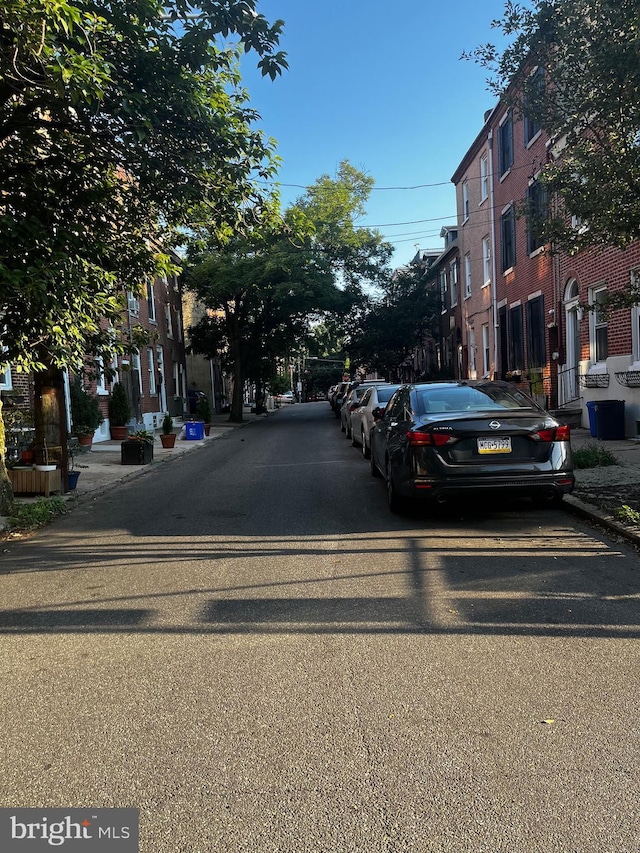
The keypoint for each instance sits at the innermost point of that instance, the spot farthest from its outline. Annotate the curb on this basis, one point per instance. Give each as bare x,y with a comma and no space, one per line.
591,513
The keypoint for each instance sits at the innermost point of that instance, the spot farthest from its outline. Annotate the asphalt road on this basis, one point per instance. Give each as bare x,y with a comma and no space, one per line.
246,645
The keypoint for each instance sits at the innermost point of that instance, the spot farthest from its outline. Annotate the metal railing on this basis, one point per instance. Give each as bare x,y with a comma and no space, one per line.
568,386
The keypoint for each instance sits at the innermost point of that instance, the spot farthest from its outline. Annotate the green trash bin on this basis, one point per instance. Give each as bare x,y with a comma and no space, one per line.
609,415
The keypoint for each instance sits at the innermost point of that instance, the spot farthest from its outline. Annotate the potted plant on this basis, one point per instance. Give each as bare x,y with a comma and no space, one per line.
203,412
85,412
168,436
137,449
119,412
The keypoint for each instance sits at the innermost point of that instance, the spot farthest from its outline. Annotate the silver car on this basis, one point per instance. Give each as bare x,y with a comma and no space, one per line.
362,419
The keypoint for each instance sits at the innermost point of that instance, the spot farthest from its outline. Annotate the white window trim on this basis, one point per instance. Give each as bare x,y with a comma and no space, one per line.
595,366
484,178
465,201
453,270
6,383
151,370
467,276
486,261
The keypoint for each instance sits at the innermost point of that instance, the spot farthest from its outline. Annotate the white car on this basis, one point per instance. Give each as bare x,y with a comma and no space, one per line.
287,397
362,417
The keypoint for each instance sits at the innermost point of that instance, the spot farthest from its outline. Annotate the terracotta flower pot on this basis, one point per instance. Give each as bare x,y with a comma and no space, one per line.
168,440
119,433
85,440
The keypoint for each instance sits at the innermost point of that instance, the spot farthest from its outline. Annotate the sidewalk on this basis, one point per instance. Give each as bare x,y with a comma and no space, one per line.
100,467
599,489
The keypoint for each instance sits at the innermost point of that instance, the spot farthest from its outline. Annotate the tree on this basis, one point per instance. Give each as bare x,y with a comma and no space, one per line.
120,123
264,289
407,314
587,99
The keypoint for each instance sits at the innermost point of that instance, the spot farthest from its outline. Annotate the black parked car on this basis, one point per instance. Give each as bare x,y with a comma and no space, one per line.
442,440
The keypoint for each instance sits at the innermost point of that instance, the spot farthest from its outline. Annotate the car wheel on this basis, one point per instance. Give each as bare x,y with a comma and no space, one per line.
396,502
341,425
374,468
365,450
354,442
347,431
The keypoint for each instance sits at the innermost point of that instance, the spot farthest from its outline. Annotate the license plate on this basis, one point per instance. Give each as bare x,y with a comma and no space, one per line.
494,445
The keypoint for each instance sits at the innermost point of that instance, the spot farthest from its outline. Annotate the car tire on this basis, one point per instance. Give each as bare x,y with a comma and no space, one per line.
397,504
341,425
365,450
354,442
374,468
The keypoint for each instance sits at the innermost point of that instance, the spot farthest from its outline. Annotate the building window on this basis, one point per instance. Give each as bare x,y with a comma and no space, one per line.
167,312
472,353
505,145
151,302
486,352
535,332
536,215
443,289
484,177
453,277
101,379
151,367
598,326
516,343
136,364
5,377
486,260
133,304
508,235
467,276
465,200
536,86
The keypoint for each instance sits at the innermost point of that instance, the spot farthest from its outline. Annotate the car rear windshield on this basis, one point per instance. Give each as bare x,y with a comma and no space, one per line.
468,399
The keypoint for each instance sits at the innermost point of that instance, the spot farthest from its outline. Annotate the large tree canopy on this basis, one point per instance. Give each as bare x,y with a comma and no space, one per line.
589,104
263,290
407,314
118,121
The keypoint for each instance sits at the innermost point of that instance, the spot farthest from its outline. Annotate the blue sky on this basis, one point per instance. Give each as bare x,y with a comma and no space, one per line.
380,84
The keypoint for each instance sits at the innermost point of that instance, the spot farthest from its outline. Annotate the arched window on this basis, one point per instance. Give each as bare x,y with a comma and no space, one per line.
572,290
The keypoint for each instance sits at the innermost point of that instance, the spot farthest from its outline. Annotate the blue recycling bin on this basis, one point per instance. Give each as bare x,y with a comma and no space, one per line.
591,411
194,430
609,415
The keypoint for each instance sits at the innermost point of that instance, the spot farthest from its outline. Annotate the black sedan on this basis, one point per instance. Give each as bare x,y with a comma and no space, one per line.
439,441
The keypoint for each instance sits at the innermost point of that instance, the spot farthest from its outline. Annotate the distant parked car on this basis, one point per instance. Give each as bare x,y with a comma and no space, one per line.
287,397
351,403
362,421
439,441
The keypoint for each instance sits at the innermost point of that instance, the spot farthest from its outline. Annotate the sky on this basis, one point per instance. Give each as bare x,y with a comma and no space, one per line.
381,84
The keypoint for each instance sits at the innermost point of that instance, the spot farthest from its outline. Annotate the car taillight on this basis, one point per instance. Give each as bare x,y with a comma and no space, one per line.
354,406
560,433
416,438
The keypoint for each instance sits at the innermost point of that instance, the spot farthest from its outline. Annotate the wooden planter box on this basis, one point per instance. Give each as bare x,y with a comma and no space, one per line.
135,453
35,482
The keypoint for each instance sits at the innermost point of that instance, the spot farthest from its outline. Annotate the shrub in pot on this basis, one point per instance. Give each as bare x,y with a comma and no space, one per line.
85,412
203,412
167,436
119,412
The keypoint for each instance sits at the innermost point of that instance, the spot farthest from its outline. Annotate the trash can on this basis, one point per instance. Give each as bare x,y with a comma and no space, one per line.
194,430
591,411
609,419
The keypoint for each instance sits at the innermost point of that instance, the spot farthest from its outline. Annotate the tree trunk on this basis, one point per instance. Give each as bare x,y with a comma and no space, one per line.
6,492
51,419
